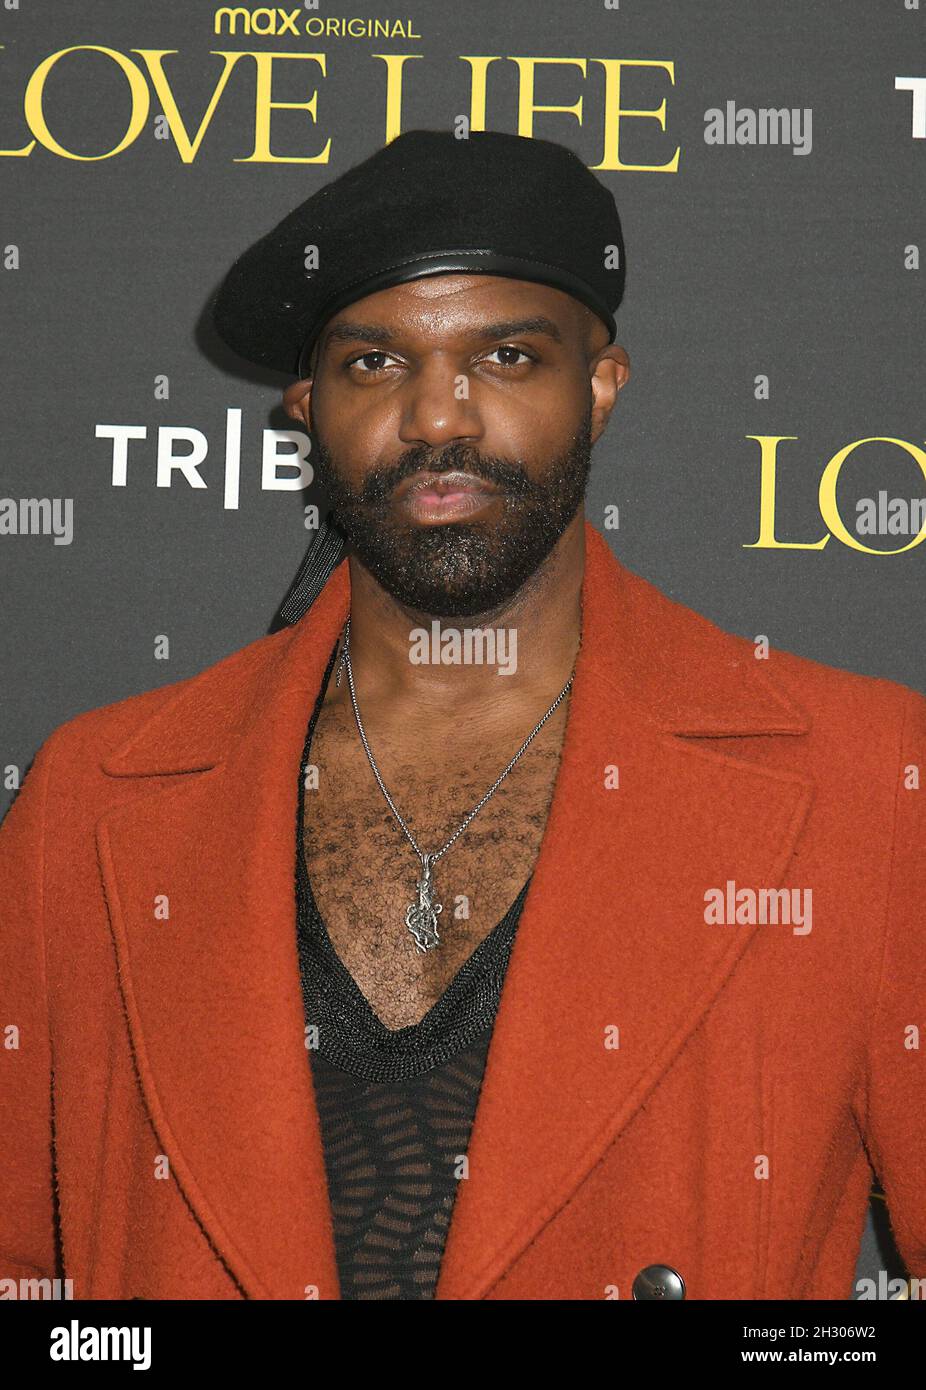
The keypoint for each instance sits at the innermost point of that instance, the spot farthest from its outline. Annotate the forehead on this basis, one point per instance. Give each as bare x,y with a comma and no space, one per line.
442,307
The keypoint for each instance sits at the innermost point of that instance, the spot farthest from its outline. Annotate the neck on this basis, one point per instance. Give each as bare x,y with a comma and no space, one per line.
536,637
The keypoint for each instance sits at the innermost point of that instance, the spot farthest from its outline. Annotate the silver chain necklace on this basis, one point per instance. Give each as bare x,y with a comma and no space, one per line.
421,915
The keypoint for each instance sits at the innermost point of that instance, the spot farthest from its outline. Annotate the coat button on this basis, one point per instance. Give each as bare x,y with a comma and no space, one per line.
659,1281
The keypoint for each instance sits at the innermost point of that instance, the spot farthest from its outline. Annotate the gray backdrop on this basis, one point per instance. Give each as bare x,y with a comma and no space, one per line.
773,289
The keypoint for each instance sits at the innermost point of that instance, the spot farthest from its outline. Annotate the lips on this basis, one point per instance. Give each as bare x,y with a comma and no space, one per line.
442,484
438,497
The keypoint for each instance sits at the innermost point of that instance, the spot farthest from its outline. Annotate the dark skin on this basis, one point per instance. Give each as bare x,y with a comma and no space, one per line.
442,734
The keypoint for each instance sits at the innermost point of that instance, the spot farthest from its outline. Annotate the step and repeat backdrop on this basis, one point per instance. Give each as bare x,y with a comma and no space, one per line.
766,464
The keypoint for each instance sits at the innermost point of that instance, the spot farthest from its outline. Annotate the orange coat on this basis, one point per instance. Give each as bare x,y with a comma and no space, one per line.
660,1089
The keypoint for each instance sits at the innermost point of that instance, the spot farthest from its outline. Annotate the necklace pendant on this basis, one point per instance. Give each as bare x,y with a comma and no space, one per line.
421,915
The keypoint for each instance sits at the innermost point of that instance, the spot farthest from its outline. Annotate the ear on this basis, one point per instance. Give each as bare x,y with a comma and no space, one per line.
297,401
610,375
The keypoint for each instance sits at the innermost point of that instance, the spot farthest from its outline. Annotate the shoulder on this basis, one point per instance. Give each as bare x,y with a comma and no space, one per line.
98,732
856,707
852,698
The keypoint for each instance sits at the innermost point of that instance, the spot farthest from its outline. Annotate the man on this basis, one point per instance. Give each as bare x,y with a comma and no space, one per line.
655,905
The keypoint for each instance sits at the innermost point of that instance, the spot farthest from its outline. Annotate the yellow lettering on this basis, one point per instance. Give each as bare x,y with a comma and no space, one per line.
35,114
613,112
830,511
477,99
185,147
395,64
26,150
526,105
264,105
232,15
768,444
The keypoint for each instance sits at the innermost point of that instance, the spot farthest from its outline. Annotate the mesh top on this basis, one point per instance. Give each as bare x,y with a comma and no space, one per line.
395,1106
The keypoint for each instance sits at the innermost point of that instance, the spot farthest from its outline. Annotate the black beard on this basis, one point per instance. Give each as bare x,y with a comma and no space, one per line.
458,569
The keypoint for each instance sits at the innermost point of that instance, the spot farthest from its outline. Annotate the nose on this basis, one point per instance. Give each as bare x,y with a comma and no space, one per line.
438,407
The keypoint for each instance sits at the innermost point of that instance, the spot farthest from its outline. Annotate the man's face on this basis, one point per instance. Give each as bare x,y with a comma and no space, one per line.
448,375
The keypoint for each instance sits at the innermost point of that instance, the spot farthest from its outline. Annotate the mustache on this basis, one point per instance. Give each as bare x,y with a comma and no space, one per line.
509,477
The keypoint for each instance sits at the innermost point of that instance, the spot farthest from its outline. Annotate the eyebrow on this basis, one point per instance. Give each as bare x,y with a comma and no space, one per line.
488,332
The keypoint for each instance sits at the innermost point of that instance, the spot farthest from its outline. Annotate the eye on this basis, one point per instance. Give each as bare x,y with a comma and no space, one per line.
369,370
511,348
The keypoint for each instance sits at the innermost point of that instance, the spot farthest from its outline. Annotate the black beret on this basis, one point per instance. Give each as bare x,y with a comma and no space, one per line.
428,203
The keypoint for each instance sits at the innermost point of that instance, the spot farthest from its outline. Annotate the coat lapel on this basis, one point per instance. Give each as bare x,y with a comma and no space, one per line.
610,934
213,993
612,931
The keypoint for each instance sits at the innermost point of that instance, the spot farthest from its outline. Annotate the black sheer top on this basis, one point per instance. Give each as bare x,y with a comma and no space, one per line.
396,1106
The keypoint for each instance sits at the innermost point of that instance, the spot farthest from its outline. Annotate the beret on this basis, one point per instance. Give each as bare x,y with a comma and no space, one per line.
427,203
